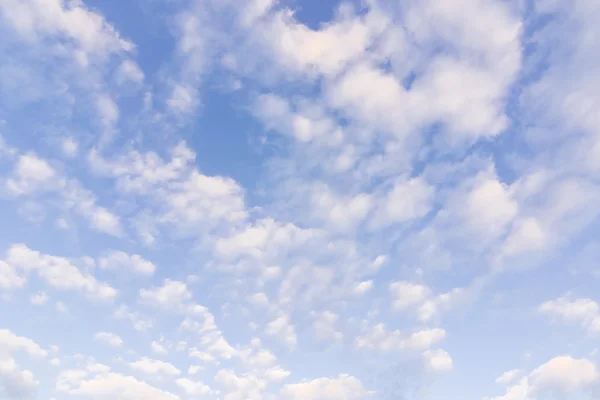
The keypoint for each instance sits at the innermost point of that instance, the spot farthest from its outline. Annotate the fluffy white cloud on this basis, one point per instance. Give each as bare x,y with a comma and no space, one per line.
265,238
562,376
407,294
39,299
32,174
343,387
154,367
404,148
324,326
405,201
565,374
69,147
129,70
9,278
508,377
282,328
109,385
10,342
107,109
158,348
182,198
585,312
419,298
58,272
379,338
438,360
139,322
193,388
88,30
16,384
172,295
108,338
123,261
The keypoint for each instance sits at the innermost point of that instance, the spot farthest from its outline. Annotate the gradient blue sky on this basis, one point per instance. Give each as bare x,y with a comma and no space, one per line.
299,200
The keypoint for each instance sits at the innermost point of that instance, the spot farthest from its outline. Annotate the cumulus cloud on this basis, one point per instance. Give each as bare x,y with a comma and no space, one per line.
32,176
58,272
585,312
378,337
172,295
352,168
113,385
338,388
17,383
108,338
154,367
560,376
282,329
183,198
123,261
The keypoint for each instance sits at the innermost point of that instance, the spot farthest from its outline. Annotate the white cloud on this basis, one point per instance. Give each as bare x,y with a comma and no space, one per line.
9,278
129,71
406,201
33,174
69,147
302,122
508,377
438,360
118,260
526,235
324,326
84,203
379,338
262,240
16,384
61,307
5,149
343,387
193,388
408,294
171,295
108,338
246,386
363,287
109,385
341,213
108,110
282,328
34,19
158,348
585,312
419,299
182,198
139,323
182,99
562,376
9,342
58,272
38,299
154,367
565,374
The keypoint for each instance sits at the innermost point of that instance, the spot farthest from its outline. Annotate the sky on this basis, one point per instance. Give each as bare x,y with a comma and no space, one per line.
299,199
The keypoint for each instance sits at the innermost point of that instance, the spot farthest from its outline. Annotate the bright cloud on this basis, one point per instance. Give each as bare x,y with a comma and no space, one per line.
260,200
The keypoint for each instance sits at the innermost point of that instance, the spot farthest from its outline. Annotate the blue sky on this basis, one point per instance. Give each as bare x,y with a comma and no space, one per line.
299,200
